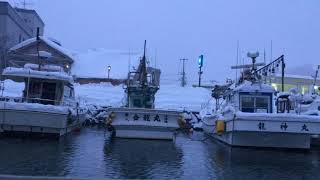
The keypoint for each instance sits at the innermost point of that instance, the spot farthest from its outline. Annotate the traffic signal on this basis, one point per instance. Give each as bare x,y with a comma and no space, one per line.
200,63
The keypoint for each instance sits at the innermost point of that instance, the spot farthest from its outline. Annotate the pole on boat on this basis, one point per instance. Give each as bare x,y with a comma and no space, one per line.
38,44
143,70
283,65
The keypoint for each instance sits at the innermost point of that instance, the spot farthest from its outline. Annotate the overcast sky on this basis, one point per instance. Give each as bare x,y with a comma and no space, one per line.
187,28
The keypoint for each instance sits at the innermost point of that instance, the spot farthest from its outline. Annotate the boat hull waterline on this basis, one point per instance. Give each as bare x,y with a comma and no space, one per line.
144,123
54,123
276,131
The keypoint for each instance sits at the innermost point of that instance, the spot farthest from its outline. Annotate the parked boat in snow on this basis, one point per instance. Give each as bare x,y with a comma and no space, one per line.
139,119
48,104
248,116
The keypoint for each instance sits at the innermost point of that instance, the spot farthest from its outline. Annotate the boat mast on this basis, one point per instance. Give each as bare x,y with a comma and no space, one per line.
38,44
143,70
315,80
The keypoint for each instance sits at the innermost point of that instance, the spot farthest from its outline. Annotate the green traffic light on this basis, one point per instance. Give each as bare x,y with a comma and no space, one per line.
200,63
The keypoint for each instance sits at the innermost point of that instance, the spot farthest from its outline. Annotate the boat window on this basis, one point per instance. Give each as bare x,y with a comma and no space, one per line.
48,93
262,104
41,92
136,103
66,92
259,104
247,104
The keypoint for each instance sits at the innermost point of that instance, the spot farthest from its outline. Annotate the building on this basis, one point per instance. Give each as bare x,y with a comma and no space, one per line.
17,25
304,84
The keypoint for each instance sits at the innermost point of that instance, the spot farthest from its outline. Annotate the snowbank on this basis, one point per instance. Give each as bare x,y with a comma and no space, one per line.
168,97
94,63
176,97
103,94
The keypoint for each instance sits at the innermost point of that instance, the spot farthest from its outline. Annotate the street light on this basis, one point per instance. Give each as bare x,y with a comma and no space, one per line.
109,69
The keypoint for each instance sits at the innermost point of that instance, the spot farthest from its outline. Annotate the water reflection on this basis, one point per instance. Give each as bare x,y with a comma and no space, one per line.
143,158
249,163
25,156
90,154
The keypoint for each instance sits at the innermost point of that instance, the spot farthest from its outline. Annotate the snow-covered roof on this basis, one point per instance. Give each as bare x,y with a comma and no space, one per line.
49,42
46,67
27,72
94,63
248,86
296,76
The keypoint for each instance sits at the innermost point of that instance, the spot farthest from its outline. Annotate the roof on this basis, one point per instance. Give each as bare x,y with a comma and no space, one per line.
248,86
296,76
30,11
46,41
27,72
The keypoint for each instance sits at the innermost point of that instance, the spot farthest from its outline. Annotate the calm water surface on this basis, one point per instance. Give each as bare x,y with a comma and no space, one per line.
91,154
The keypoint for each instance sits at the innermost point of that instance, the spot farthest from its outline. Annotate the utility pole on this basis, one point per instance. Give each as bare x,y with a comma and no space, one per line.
183,78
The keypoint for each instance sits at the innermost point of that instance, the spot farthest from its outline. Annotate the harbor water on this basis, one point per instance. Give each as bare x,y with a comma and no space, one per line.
90,153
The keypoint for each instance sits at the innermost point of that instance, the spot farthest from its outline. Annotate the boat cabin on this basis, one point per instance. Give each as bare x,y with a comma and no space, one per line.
252,97
143,95
43,87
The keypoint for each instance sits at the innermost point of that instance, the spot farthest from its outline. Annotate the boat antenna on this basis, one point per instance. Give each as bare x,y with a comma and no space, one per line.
237,61
143,72
271,51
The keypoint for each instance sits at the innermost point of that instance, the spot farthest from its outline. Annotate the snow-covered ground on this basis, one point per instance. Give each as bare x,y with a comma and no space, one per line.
103,94
168,97
94,63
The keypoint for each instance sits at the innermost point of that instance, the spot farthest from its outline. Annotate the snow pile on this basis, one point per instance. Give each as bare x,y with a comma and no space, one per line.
176,97
168,97
94,63
34,107
43,67
26,72
103,94
12,89
248,86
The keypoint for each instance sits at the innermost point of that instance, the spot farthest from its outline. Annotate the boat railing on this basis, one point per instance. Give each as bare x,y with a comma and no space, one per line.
36,100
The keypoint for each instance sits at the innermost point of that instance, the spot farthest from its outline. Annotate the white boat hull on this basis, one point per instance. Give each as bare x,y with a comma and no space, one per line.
127,125
265,139
270,131
144,132
37,122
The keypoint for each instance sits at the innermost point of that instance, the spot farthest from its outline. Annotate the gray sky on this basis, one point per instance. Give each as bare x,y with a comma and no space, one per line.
188,28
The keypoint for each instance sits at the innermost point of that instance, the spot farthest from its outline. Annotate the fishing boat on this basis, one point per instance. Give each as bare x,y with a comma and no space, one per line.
47,106
252,116
139,118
